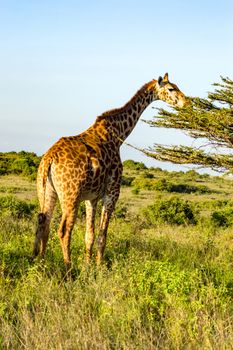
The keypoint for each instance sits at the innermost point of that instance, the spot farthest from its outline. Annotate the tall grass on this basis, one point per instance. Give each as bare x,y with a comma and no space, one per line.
166,282
165,287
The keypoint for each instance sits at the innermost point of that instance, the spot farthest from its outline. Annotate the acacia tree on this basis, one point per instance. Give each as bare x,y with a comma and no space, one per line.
211,119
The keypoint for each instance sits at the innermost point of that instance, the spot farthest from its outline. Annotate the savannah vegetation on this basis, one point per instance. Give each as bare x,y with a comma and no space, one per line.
166,282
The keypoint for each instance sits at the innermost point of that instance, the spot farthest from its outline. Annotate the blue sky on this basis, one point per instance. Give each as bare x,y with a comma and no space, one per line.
62,63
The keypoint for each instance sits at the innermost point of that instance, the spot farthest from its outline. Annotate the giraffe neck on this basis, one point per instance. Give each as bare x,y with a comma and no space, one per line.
119,123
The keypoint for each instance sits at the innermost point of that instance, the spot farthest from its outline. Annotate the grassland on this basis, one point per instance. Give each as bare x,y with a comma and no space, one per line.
166,283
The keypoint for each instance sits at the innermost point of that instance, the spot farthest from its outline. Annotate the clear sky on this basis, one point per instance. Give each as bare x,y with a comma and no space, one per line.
62,63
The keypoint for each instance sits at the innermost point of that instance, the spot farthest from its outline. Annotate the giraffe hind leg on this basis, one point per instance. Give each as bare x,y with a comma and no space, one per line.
90,227
64,233
108,207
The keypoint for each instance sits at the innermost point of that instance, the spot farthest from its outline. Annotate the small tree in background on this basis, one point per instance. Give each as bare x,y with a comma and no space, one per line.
211,119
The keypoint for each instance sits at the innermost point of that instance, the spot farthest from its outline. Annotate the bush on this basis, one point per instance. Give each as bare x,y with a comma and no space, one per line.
136,190
147,183
127,180
155,282
12,206
120,211
148,175
223,217
22,163
219,218
131,164
143,184
172,211
192,174
164,185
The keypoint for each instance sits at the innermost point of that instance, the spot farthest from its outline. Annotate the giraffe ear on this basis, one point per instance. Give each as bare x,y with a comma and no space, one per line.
165,78
160,80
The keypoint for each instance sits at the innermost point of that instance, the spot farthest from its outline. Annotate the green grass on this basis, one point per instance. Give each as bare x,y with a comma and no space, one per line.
162,286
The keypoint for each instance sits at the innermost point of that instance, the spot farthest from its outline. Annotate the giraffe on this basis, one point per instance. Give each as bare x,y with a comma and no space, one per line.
87,167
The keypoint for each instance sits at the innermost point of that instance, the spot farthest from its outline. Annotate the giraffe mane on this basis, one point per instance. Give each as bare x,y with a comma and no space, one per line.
114,111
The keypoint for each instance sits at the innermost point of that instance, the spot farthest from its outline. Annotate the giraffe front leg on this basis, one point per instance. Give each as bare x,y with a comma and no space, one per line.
90,227
108,207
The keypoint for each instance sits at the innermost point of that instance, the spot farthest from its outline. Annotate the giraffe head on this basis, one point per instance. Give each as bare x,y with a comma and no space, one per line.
169,92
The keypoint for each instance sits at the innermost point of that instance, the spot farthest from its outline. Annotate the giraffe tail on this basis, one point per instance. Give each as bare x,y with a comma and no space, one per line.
43,174
46,170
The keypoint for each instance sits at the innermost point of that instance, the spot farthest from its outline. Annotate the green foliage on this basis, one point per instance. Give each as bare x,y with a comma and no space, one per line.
209,118
192,175
136,190
21,163
164,185
172,211
127,180
166,286
131,164
148,175
224,216
168,186
143,183
121,211
157,283
12,206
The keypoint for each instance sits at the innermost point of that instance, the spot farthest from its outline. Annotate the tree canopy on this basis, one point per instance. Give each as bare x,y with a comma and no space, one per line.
211,119
21,163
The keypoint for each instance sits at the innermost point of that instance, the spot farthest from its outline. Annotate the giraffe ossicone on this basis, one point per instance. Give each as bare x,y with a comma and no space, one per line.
87,167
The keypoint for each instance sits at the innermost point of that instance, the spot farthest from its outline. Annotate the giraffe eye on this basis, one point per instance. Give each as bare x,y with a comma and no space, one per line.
171,89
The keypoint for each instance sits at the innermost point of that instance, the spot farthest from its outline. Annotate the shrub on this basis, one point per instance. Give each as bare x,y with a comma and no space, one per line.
155,282
127,180
136,190
204,176
120,211
131,164
10,205
185,188
172,211
219,218
148,175
22,163
158,170
143,184
164,185
223,217
192,175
